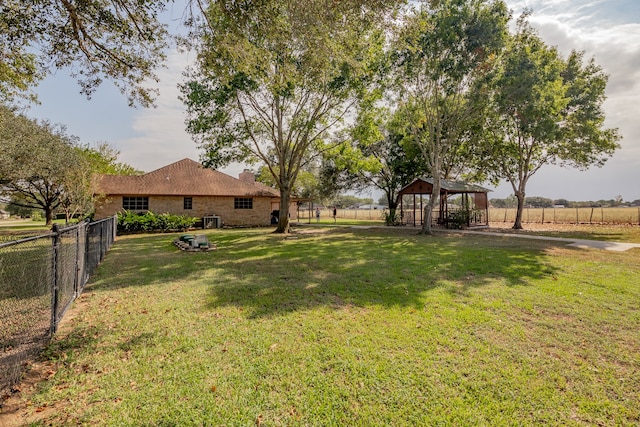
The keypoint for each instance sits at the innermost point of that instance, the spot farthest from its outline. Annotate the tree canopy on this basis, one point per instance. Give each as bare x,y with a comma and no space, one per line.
378,154
275,79
545,110
42,167
36,160
119,40
442,53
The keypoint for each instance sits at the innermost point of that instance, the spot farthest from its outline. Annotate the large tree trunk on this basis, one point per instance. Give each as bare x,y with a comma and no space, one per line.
518,223
428,211
48,215
393,209
283,219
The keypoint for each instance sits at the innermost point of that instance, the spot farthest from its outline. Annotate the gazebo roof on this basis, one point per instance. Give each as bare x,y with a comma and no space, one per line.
425,185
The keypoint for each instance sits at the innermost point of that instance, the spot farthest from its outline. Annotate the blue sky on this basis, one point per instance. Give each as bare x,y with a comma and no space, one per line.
608,30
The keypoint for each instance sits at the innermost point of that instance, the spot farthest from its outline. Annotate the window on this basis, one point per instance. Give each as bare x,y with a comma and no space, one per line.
188,203
135,203
243,203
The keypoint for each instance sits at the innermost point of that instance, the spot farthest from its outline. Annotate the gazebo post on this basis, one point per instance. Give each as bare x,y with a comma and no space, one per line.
444,208
414,210
421,186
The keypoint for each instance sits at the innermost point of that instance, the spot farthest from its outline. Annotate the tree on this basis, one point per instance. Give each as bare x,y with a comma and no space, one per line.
379,155
36,160
78,195
443,52
103,159
275,80
546,111
120,40
538,202
18,211
562,202
44,168
306,185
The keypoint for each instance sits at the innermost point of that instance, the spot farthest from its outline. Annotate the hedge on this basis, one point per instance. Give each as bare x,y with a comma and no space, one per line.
132,222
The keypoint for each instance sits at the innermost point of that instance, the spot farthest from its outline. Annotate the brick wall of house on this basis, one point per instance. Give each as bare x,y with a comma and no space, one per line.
223,207
108,207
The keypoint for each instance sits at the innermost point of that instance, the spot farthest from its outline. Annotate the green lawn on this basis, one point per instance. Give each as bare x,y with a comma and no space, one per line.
349,327
12,229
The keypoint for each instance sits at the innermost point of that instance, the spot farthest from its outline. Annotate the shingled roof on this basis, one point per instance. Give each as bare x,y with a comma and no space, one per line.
183,178
452,187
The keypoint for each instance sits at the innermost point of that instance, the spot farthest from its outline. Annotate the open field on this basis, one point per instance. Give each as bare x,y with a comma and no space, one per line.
611,216
346,327
606,232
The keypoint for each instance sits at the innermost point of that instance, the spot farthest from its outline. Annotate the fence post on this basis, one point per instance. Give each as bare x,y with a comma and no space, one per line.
54,277
87,249
83,252
101,242
76,280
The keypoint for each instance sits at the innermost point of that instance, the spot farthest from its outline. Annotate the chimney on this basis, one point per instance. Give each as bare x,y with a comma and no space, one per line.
247,176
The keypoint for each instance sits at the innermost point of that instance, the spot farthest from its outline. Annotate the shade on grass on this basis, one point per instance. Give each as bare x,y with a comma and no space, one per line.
350,327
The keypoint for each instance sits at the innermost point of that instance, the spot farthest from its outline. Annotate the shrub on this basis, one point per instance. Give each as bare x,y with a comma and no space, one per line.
461,218
37,216
391,217
131,222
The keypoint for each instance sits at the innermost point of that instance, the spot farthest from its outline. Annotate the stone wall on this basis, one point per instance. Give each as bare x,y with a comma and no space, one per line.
202,206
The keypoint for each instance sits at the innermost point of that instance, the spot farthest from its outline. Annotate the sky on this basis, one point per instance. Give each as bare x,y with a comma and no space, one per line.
607,30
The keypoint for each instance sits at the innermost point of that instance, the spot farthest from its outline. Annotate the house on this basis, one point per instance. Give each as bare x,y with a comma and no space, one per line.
4,214
187,188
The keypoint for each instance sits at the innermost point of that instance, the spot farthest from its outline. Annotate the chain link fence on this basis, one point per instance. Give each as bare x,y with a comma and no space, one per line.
40,277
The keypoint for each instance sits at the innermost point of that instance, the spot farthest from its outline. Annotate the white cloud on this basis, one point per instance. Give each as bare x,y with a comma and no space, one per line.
608,31
159,137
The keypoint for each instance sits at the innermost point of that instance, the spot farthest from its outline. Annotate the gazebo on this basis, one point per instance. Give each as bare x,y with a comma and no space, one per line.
471,211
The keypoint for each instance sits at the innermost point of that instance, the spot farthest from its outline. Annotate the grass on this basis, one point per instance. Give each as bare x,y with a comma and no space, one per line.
342,221
13,229
613,233
349,327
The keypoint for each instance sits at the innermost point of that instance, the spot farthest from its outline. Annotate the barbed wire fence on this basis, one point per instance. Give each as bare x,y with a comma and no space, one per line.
581,215
40,276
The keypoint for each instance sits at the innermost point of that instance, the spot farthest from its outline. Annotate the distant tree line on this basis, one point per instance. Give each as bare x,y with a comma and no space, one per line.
543,202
